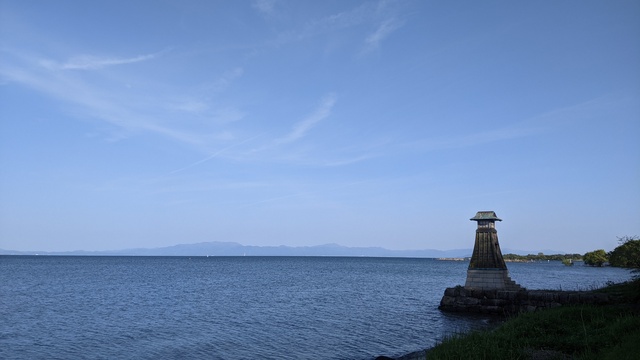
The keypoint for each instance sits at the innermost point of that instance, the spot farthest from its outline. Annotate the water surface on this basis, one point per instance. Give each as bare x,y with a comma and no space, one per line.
59,307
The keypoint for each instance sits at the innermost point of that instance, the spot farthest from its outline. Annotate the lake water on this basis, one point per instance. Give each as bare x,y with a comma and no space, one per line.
64,307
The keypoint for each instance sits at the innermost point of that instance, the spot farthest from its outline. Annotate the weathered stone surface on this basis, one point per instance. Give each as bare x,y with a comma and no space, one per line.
458,299
470,301
450,292
601,299
487,269
493,302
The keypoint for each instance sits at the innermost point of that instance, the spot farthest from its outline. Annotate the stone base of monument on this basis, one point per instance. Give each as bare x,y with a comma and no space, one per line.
503,302
490,279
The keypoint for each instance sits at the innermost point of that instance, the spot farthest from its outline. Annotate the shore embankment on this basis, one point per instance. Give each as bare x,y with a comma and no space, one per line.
579,329
459,299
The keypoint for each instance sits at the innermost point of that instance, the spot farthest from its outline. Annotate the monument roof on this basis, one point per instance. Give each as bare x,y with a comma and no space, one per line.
486,215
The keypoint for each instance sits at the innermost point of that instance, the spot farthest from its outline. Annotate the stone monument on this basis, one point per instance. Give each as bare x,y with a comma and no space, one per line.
487,269
489,289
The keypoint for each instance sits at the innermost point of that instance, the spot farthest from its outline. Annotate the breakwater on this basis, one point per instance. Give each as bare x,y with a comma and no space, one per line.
459,299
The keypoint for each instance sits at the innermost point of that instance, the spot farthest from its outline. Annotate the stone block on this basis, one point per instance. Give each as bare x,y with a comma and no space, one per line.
450,292
601,299
492,302
573,298
470,301
447,301
563,298
492,309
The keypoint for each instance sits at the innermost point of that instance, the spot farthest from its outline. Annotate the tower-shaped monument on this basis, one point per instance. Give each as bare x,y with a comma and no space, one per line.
487,269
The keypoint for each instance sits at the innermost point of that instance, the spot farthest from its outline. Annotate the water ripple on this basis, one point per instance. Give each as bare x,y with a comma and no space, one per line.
236,308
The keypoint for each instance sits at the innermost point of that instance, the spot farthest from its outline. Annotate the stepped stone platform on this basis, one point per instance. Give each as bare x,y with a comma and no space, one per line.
488,279
504,302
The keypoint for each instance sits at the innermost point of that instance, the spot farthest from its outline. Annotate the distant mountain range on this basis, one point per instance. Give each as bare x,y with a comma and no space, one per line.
234,249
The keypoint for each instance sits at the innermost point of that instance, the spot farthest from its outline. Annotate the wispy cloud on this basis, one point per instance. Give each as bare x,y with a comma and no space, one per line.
313,191
202,103
301,128
383,31
559,119
93,62
106,98
381,16
213,155
349,161
90,62
226,79
191,106
335,22
265,7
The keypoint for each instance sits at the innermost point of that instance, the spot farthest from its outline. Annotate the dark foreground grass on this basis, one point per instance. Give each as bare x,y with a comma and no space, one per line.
571,332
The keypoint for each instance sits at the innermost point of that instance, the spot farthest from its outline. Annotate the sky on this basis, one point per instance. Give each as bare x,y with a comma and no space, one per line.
127,124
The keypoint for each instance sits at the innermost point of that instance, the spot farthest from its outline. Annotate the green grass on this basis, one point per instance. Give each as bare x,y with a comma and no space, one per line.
571,332
629,292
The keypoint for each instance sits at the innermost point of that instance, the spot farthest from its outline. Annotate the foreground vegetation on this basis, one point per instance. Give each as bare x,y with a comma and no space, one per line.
572,332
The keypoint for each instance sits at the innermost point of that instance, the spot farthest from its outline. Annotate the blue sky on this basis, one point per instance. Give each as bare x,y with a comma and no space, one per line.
363,123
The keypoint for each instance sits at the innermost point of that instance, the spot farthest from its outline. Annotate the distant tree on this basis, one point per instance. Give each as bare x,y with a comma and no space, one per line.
595,258
567,262
627,254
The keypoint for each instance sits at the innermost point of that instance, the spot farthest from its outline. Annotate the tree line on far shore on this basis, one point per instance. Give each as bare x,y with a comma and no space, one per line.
626,255
542,257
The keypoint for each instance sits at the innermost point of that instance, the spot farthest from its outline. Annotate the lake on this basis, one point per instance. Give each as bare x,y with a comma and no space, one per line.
71,307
